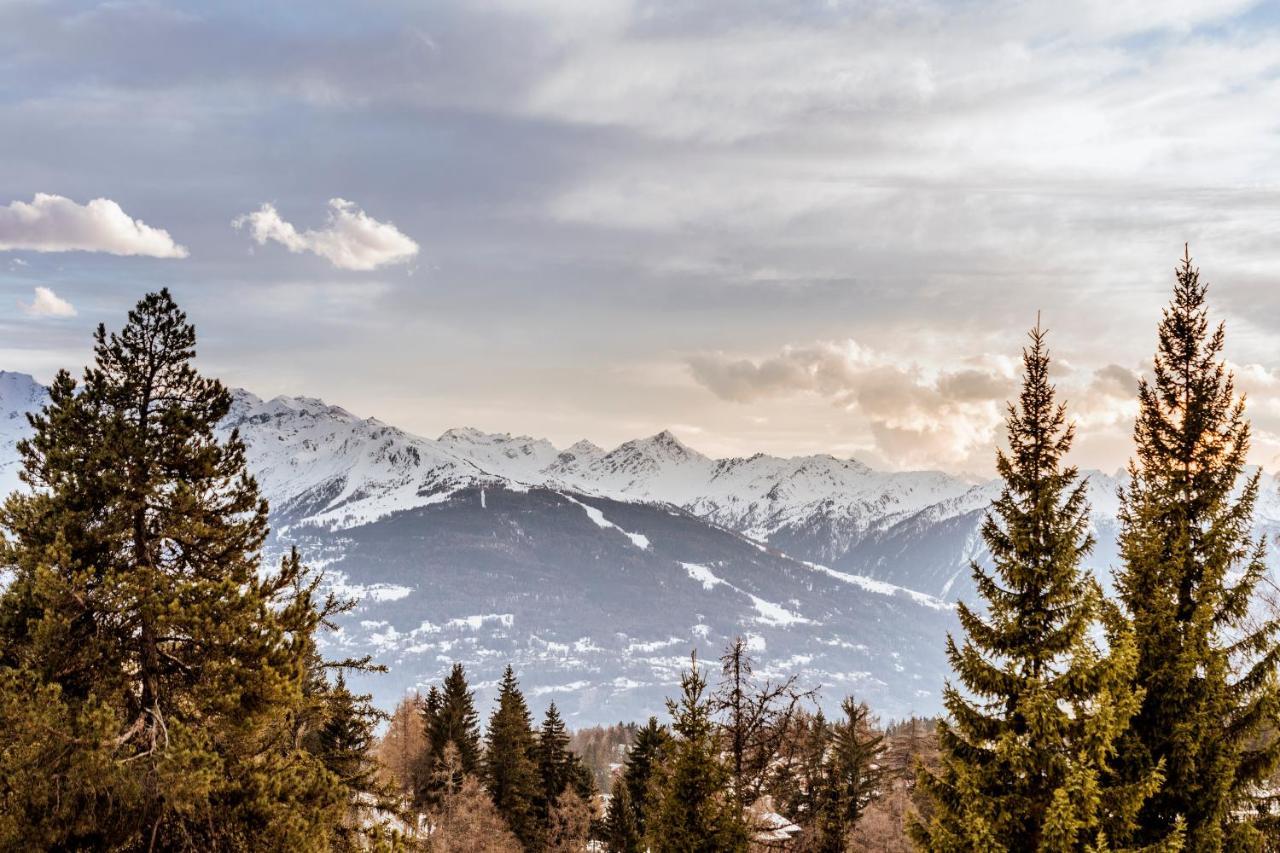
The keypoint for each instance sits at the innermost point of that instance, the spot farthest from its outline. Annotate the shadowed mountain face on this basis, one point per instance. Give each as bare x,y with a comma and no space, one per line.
597,572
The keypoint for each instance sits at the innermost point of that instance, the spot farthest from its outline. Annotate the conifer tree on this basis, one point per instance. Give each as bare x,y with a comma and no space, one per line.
150,674
449,717
622,832
1188,576
510,763
456,721
852,775
1026,751
643,758
401,749
555,762
691,806
344,742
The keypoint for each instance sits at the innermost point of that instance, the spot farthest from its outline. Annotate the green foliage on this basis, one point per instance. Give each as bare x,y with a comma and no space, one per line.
449,717
621,831
646,753
510,763
1188,578
851,774
170,673
1026,753
690,806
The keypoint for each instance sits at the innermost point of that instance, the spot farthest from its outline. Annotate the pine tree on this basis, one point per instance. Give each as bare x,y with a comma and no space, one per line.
510,763
1188,576
149,672
691,807
1024,760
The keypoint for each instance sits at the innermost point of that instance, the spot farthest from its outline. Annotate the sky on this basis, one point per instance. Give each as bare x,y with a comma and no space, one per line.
788,227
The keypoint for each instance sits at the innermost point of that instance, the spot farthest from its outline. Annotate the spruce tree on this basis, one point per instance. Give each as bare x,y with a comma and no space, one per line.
556,764
622,833
1188,576
852,775
643,758
449,717
510,763
691,807
150,674
1025,753
456,721
344,741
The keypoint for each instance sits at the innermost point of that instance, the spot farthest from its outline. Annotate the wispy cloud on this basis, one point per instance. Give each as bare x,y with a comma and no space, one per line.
53,223
351,240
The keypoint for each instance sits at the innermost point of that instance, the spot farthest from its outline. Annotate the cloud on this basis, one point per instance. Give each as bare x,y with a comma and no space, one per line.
47,304
352,240
52,223
915,415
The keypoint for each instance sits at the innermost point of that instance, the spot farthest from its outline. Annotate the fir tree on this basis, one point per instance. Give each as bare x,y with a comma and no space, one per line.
1024,760
691,806
1189,573
150,674
510,763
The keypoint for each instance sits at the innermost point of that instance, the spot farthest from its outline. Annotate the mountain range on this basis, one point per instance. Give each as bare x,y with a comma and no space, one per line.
596,572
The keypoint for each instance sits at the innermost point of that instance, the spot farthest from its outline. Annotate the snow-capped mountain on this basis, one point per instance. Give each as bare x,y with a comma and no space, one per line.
596,572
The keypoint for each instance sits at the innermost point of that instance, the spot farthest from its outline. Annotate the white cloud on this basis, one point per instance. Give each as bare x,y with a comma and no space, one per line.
351,240
52,223
48,304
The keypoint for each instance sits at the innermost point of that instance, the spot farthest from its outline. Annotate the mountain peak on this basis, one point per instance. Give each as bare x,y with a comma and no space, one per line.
667,443
19,387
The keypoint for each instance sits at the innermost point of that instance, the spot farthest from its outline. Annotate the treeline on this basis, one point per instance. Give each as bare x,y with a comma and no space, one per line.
744,765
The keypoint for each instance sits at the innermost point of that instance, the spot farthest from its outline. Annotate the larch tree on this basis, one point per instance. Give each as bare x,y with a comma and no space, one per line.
1188,577
1029,743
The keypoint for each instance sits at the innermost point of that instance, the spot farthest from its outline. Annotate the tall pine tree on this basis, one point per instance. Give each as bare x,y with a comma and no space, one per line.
510,763
1187,580
1026,751
150,674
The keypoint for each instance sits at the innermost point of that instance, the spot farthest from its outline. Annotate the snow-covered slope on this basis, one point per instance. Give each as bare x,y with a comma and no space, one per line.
596,570
19,395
